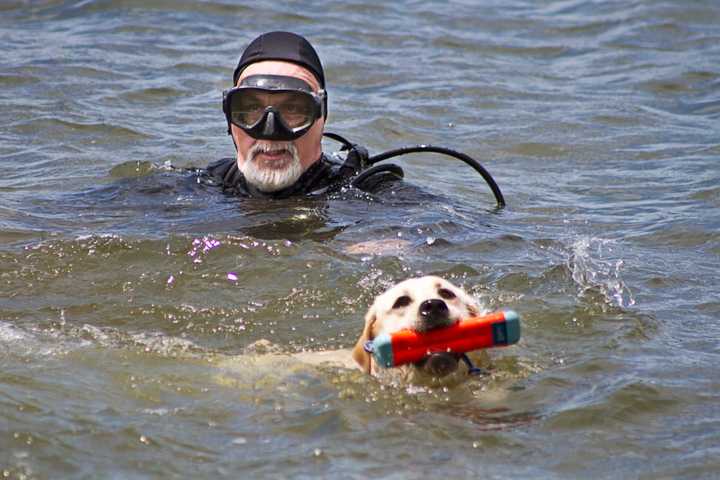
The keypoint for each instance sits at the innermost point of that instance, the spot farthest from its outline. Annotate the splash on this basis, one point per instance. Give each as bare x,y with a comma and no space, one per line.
592,268
201,246
21,342
198,251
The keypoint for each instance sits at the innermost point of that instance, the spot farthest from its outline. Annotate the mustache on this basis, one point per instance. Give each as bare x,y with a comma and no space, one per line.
271,147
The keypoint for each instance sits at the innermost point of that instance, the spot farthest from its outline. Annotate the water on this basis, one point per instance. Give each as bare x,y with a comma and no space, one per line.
121,334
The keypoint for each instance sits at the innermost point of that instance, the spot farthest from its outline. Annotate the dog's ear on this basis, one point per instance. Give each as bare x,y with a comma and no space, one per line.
360,355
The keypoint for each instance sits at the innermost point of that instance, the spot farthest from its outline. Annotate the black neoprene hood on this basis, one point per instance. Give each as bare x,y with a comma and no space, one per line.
284,46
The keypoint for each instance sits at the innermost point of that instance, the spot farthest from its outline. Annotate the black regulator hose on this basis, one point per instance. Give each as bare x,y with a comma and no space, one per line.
452,153
419,148
365,174
347,145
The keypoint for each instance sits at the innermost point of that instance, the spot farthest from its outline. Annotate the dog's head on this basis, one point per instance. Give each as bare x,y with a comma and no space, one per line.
419,304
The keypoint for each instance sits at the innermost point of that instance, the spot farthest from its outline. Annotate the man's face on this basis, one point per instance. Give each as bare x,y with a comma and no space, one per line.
272,165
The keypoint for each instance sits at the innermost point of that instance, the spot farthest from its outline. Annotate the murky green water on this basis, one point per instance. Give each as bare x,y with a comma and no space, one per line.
121,335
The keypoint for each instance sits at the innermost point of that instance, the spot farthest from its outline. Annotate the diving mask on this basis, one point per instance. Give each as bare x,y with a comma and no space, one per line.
274,107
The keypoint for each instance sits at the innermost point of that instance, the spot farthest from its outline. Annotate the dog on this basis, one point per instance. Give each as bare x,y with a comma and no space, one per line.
421,304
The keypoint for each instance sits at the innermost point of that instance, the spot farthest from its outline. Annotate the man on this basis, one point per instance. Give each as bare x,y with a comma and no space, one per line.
276,114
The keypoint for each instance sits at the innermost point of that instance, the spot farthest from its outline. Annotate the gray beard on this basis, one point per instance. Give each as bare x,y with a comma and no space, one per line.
271,179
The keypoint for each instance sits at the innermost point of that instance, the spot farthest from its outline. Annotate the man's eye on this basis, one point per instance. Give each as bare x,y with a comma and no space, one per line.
446,294
403,301
251,107
293,108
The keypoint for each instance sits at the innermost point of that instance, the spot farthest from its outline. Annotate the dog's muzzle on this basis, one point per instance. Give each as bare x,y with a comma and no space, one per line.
439,364
433,314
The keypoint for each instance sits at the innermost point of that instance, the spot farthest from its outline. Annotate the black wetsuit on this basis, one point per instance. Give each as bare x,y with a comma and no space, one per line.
325,176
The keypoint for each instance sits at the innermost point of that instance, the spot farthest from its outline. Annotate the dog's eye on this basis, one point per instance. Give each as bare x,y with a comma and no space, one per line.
403,301
446,294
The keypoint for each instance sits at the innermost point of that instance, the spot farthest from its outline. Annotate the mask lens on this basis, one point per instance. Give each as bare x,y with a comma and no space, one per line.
296,110
248,105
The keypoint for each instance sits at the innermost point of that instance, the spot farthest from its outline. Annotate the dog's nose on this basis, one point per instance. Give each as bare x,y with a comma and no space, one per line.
434,313
434,307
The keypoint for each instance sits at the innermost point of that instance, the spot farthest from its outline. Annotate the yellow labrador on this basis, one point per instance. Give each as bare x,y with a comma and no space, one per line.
420,304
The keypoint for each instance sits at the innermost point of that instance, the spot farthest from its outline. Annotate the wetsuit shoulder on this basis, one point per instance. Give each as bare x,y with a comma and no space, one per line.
222,170
225,174
380,182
